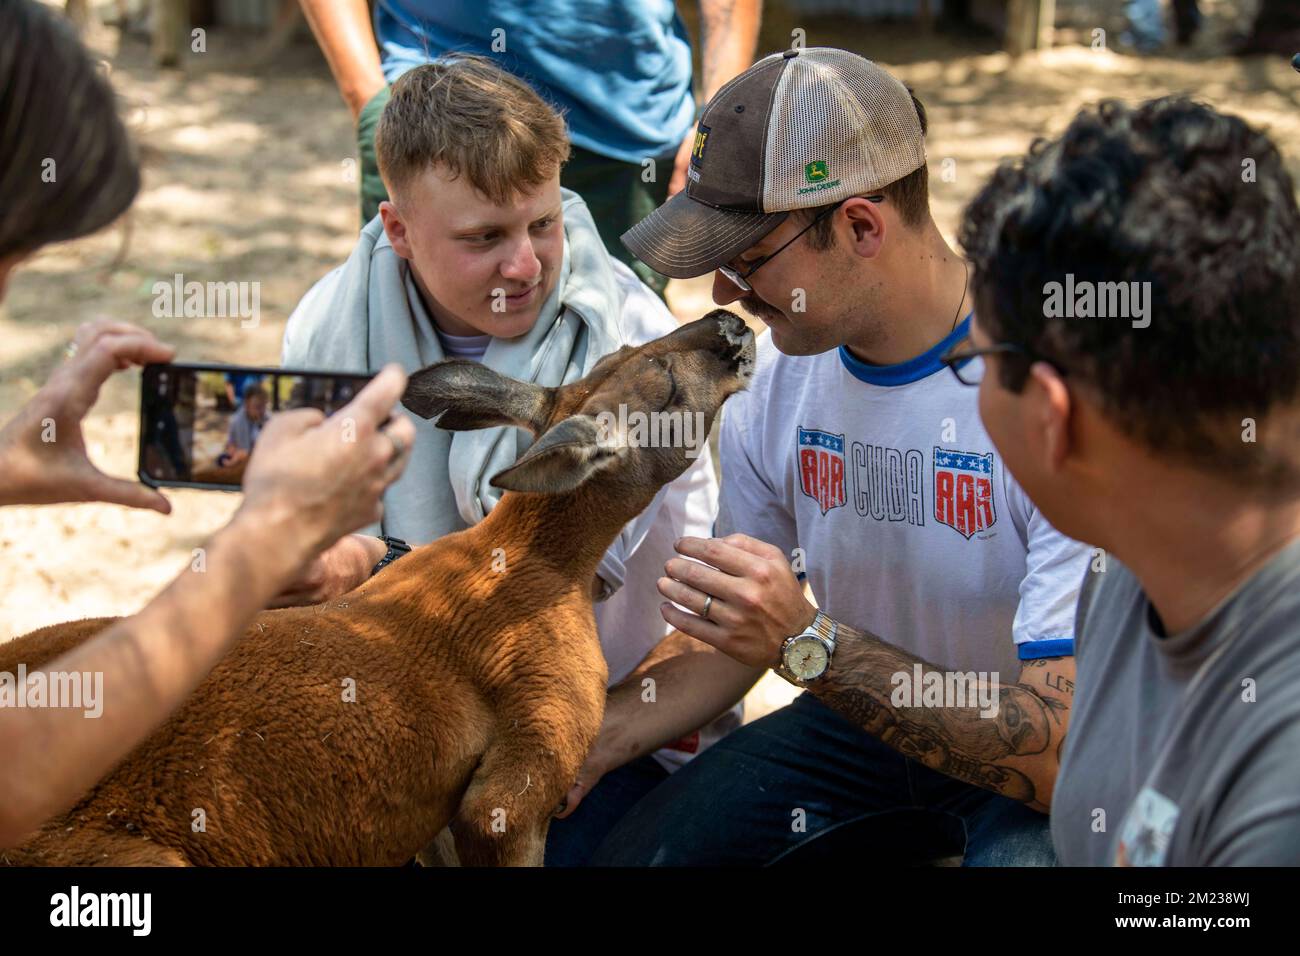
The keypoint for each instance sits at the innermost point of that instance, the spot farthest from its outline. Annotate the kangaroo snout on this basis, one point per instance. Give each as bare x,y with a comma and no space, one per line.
740,340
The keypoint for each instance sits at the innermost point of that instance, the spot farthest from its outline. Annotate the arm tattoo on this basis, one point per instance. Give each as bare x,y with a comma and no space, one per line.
1060,682
1003,752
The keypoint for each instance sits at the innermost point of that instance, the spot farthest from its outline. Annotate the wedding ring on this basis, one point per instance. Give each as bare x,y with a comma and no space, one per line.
70,351
708,603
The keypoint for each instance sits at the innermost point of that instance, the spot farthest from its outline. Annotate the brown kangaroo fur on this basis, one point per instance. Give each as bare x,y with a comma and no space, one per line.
478,692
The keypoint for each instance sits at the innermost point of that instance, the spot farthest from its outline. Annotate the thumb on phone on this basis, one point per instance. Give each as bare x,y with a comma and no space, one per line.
287,425
375,402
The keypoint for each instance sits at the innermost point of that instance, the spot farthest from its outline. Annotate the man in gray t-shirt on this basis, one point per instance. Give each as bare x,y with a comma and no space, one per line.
1189,752
1137,301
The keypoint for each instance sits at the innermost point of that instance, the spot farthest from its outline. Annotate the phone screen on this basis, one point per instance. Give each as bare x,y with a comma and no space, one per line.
200,423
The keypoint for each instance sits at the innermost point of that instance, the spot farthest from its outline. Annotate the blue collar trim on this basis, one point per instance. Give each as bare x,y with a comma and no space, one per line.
914,369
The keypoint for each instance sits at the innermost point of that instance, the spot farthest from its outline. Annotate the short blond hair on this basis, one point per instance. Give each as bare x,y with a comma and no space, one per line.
466,114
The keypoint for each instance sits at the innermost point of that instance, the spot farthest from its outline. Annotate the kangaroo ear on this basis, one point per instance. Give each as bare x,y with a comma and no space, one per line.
561,460
460,395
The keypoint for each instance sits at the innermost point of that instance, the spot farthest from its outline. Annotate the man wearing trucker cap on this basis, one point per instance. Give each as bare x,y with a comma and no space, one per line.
938,664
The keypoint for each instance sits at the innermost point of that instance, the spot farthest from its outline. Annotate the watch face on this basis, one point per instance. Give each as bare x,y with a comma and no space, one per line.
807,658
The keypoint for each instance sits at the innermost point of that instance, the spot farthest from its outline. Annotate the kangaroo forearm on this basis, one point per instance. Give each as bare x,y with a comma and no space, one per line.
150,663
690,685
1012,751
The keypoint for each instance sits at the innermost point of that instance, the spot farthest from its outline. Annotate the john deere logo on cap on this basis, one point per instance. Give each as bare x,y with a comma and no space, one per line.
818,176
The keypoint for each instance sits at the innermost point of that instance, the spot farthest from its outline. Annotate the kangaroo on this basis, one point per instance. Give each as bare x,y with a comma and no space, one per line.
443,692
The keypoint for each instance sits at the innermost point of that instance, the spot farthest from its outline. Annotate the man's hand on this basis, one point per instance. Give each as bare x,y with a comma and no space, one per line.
593,769
757,600
42,451
693,683
335,571
325,477
681,163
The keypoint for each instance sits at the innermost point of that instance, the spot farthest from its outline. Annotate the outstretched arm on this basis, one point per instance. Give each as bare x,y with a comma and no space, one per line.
307,483
692,685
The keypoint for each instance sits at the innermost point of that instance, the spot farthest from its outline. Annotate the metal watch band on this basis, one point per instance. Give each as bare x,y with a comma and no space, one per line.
824,627
396,548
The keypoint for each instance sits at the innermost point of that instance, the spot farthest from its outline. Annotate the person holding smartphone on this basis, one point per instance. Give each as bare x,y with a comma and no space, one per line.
304,488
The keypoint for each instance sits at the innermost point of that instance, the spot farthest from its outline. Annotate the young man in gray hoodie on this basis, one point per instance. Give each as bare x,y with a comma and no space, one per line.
480,254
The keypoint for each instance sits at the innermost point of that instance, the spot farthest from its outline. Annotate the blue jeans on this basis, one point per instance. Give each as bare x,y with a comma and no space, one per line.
805,785
572,841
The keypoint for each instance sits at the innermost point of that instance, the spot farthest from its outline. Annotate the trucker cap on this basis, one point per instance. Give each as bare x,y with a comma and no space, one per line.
797,129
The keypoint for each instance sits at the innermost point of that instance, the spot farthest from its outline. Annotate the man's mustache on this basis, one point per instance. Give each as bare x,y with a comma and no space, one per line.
760,309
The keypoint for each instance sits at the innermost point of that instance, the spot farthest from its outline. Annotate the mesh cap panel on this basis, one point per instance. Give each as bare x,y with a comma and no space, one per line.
840,126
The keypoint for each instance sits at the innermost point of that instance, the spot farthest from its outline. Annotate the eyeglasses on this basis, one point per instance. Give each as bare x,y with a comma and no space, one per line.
960,359
740,278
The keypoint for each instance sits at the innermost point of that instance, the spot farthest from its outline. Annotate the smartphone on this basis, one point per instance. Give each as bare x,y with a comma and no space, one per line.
199,423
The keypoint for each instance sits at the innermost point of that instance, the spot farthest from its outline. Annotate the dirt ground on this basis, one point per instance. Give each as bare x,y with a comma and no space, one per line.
249,178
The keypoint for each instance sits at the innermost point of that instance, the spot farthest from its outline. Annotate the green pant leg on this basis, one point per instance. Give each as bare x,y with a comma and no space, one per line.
371,186
619,196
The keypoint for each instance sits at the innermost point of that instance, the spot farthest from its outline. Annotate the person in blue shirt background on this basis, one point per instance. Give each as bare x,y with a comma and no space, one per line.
619,71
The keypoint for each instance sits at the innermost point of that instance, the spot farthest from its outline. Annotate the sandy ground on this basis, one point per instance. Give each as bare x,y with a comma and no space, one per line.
249,178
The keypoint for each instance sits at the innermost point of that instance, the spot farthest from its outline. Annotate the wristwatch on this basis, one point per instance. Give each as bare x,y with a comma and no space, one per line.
806,656
396,548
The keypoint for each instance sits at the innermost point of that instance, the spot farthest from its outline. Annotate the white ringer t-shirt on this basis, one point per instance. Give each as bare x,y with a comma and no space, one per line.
911,527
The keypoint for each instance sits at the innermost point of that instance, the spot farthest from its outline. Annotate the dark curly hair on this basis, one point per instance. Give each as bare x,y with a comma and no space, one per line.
1192,201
